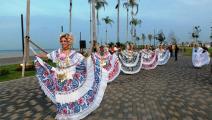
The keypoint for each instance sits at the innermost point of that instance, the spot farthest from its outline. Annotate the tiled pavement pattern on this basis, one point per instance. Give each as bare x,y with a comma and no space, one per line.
175,91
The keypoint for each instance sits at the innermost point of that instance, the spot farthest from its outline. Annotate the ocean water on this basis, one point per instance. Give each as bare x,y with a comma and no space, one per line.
18,53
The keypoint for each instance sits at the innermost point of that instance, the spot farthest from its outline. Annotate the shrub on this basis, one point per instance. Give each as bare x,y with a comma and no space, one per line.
27,68
4,72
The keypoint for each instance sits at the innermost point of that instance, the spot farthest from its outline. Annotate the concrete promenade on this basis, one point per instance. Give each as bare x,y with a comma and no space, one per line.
175,91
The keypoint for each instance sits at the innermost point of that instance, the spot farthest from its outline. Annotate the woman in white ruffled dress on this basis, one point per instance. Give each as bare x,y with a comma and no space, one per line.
200,57
76,85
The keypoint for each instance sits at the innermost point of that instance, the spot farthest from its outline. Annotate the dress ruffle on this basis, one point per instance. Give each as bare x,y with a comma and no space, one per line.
77,97
130,62
150,59
200,58
163,56
112,65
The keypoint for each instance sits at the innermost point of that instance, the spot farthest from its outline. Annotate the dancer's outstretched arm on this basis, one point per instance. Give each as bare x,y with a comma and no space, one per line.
42,55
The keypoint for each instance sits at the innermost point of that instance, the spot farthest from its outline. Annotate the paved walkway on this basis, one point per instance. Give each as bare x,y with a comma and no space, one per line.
175,91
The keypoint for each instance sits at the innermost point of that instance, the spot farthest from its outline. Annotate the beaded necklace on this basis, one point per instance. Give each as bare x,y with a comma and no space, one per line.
63,61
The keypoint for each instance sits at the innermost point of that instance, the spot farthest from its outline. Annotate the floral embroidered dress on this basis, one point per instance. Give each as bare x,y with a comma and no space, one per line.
110,63
130,61
163,56
200,58
76,85
150,59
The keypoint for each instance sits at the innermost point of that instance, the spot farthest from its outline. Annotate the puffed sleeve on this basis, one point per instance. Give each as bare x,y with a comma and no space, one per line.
52,56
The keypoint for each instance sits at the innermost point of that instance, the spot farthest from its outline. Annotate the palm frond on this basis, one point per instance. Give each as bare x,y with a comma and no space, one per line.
107,20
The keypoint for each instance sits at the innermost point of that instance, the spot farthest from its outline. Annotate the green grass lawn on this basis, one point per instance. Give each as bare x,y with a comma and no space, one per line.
11,72
14,71
188,51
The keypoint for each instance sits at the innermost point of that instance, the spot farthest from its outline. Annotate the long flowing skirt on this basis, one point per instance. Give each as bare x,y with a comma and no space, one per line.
163,57
111,64
200,58
130,64
150,60
78,95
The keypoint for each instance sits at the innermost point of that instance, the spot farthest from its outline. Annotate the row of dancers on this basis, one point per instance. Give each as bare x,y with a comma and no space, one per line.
76,84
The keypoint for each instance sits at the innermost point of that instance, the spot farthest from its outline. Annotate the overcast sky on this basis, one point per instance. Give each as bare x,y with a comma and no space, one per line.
47,16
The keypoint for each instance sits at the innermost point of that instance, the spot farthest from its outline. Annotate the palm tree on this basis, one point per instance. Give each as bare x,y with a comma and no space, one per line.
172,38
117,7
27,38
137,39
70,16
98,6
143,37
90,22
161,37
107,21
196,32
93,41
134,22
126,6
133,4
150,38
93,5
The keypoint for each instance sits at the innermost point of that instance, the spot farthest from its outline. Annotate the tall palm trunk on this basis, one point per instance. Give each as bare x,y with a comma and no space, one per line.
70,17
143,42
94,21
106,35
98,23
132,26
26,42
90,23
127,23
118,21
93,25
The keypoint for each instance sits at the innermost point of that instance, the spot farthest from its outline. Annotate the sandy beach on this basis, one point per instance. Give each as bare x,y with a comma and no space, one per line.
11,60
